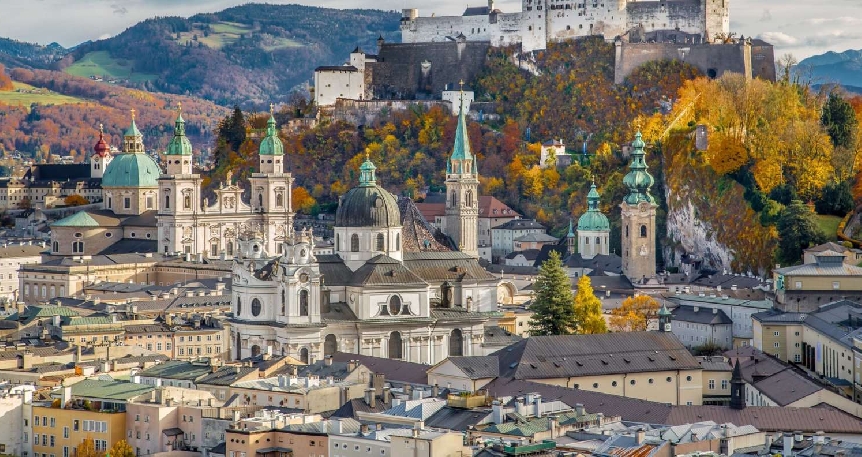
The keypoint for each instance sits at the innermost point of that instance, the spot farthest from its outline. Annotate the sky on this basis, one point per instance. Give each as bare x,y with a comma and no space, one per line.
799,27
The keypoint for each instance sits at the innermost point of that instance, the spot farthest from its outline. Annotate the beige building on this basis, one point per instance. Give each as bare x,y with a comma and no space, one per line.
311,439
11,259
468,374
852,256
310,394
168,419
651,366
802,288
397,442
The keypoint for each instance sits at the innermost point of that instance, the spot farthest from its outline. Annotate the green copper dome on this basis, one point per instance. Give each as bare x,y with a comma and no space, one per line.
131,170
593,220
271,145
638,179
180,144
368,205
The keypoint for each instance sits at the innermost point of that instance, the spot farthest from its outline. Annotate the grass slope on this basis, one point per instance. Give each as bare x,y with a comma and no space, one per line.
828,225
25,95
100,63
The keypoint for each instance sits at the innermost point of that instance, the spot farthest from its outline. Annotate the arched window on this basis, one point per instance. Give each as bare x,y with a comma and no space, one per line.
454,199
283,302
587,240
167,202
397,241
598,241
303,302
53,290
56,247
330,345
279,200
354,243
260,200
62,291
394,305
381,242
456,343
255,350
395,345
469,198
255,307
238,305
238,346
643,231
187,201
303,355
337,242
78,247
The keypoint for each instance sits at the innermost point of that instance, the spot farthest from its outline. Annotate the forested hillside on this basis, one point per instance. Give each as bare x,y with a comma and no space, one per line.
72,128
250,55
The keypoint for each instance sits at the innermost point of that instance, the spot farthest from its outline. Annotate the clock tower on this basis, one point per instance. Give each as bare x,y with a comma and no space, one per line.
638,219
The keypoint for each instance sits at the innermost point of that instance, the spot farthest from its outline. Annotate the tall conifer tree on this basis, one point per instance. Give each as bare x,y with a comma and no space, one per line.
553,313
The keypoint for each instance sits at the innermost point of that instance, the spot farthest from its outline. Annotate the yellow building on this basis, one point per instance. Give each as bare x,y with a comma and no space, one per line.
651,366
88,409
802,288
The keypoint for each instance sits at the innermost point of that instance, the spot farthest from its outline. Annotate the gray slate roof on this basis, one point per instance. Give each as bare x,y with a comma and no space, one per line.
393,370
477,367
542,357
707,316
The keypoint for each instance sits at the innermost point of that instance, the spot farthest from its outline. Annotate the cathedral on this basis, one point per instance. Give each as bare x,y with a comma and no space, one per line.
386,292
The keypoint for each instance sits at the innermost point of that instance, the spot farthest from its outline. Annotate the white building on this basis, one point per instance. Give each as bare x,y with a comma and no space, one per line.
552,149
16,408
11,259
334,82
696,326
384,293
503,236
543,21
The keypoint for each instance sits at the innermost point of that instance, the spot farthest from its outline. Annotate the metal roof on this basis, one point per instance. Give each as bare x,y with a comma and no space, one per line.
108,390
477,367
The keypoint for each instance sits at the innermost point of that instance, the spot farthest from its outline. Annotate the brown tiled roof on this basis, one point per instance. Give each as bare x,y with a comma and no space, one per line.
393,370
431,210
488,204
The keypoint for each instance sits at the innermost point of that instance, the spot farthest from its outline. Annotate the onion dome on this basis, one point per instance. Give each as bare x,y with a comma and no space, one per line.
368,205
593,220
101,148
180,144
638,180
271,145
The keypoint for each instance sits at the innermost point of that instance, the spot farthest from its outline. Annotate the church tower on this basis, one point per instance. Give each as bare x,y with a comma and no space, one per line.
462,192
593,228
571,240
180,196
101,156
638,218
271,189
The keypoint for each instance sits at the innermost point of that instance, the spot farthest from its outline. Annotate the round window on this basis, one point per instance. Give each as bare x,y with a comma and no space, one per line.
395,305
303,277
133,234
595,385
78,235
255,307
632,382
667,379
688,378
108,234
614,384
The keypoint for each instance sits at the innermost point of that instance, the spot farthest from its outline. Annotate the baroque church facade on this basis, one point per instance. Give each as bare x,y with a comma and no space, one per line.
386,292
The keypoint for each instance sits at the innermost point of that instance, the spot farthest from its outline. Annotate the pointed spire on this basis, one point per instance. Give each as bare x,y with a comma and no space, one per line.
638,180
133,128
179,145
737,372
270,124
593,198
571,233
180,124
366,172
271,144
461,152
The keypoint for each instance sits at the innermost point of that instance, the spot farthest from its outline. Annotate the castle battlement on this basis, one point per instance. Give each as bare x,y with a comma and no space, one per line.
543,21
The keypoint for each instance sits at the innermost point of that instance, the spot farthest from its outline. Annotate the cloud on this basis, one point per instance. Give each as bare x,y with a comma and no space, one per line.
778,38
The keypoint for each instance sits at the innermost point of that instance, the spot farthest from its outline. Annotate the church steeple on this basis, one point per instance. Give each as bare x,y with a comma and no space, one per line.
179,152
593,228
271,151
638,180
133,140
366,173
638,213
462,190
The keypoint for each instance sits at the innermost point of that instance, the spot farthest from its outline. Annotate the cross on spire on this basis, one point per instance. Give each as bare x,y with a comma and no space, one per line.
133,114
180,107
101,128
461,83
271,108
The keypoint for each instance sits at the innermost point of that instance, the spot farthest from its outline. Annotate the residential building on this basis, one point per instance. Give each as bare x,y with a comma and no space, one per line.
503,236
468,374
802,288
696,326
16,405
738,310
309,394
296,439
167,419
717,373
645,365
11,259
852,256
395,442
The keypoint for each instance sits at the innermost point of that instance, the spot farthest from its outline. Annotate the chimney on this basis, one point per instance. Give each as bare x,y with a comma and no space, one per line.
496,412
363,429
579,409
408,389
327,360
714,310
370,398
552,426
387,396
537,405
788,445
65,396
435,391
379,380
337,428
351,365
640,436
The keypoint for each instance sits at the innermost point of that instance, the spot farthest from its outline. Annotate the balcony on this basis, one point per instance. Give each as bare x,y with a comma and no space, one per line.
467,401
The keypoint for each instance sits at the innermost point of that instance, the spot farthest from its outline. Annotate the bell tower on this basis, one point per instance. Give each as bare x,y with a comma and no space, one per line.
638,211
101,156
462,191
179,197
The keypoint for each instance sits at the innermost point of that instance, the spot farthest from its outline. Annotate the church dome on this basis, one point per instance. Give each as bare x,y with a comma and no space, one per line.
271,145
368,205
131,170
180,144
593,220
101,148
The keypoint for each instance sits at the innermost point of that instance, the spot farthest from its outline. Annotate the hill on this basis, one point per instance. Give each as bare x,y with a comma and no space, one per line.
250,55
843,68
50,111
15,53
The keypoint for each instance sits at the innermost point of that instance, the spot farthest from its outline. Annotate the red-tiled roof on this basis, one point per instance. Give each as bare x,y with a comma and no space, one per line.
488,204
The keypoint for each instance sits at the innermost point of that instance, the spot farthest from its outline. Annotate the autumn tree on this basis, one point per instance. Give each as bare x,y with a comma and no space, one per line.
588,309
797,231
553,313
25,203
634,314
5,80
87,448
75,200
302,201
121,449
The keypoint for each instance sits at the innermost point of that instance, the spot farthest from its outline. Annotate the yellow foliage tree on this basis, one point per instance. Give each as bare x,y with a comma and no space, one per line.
588,309
75,200
302,200
87,448
634,314
121,449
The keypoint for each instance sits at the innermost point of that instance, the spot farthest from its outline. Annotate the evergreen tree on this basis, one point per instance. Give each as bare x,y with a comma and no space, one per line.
232,129
797,231
553,313
840,121
836,199
588,309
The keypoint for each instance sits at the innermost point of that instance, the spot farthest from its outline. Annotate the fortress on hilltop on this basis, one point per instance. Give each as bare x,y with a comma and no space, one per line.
543,21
